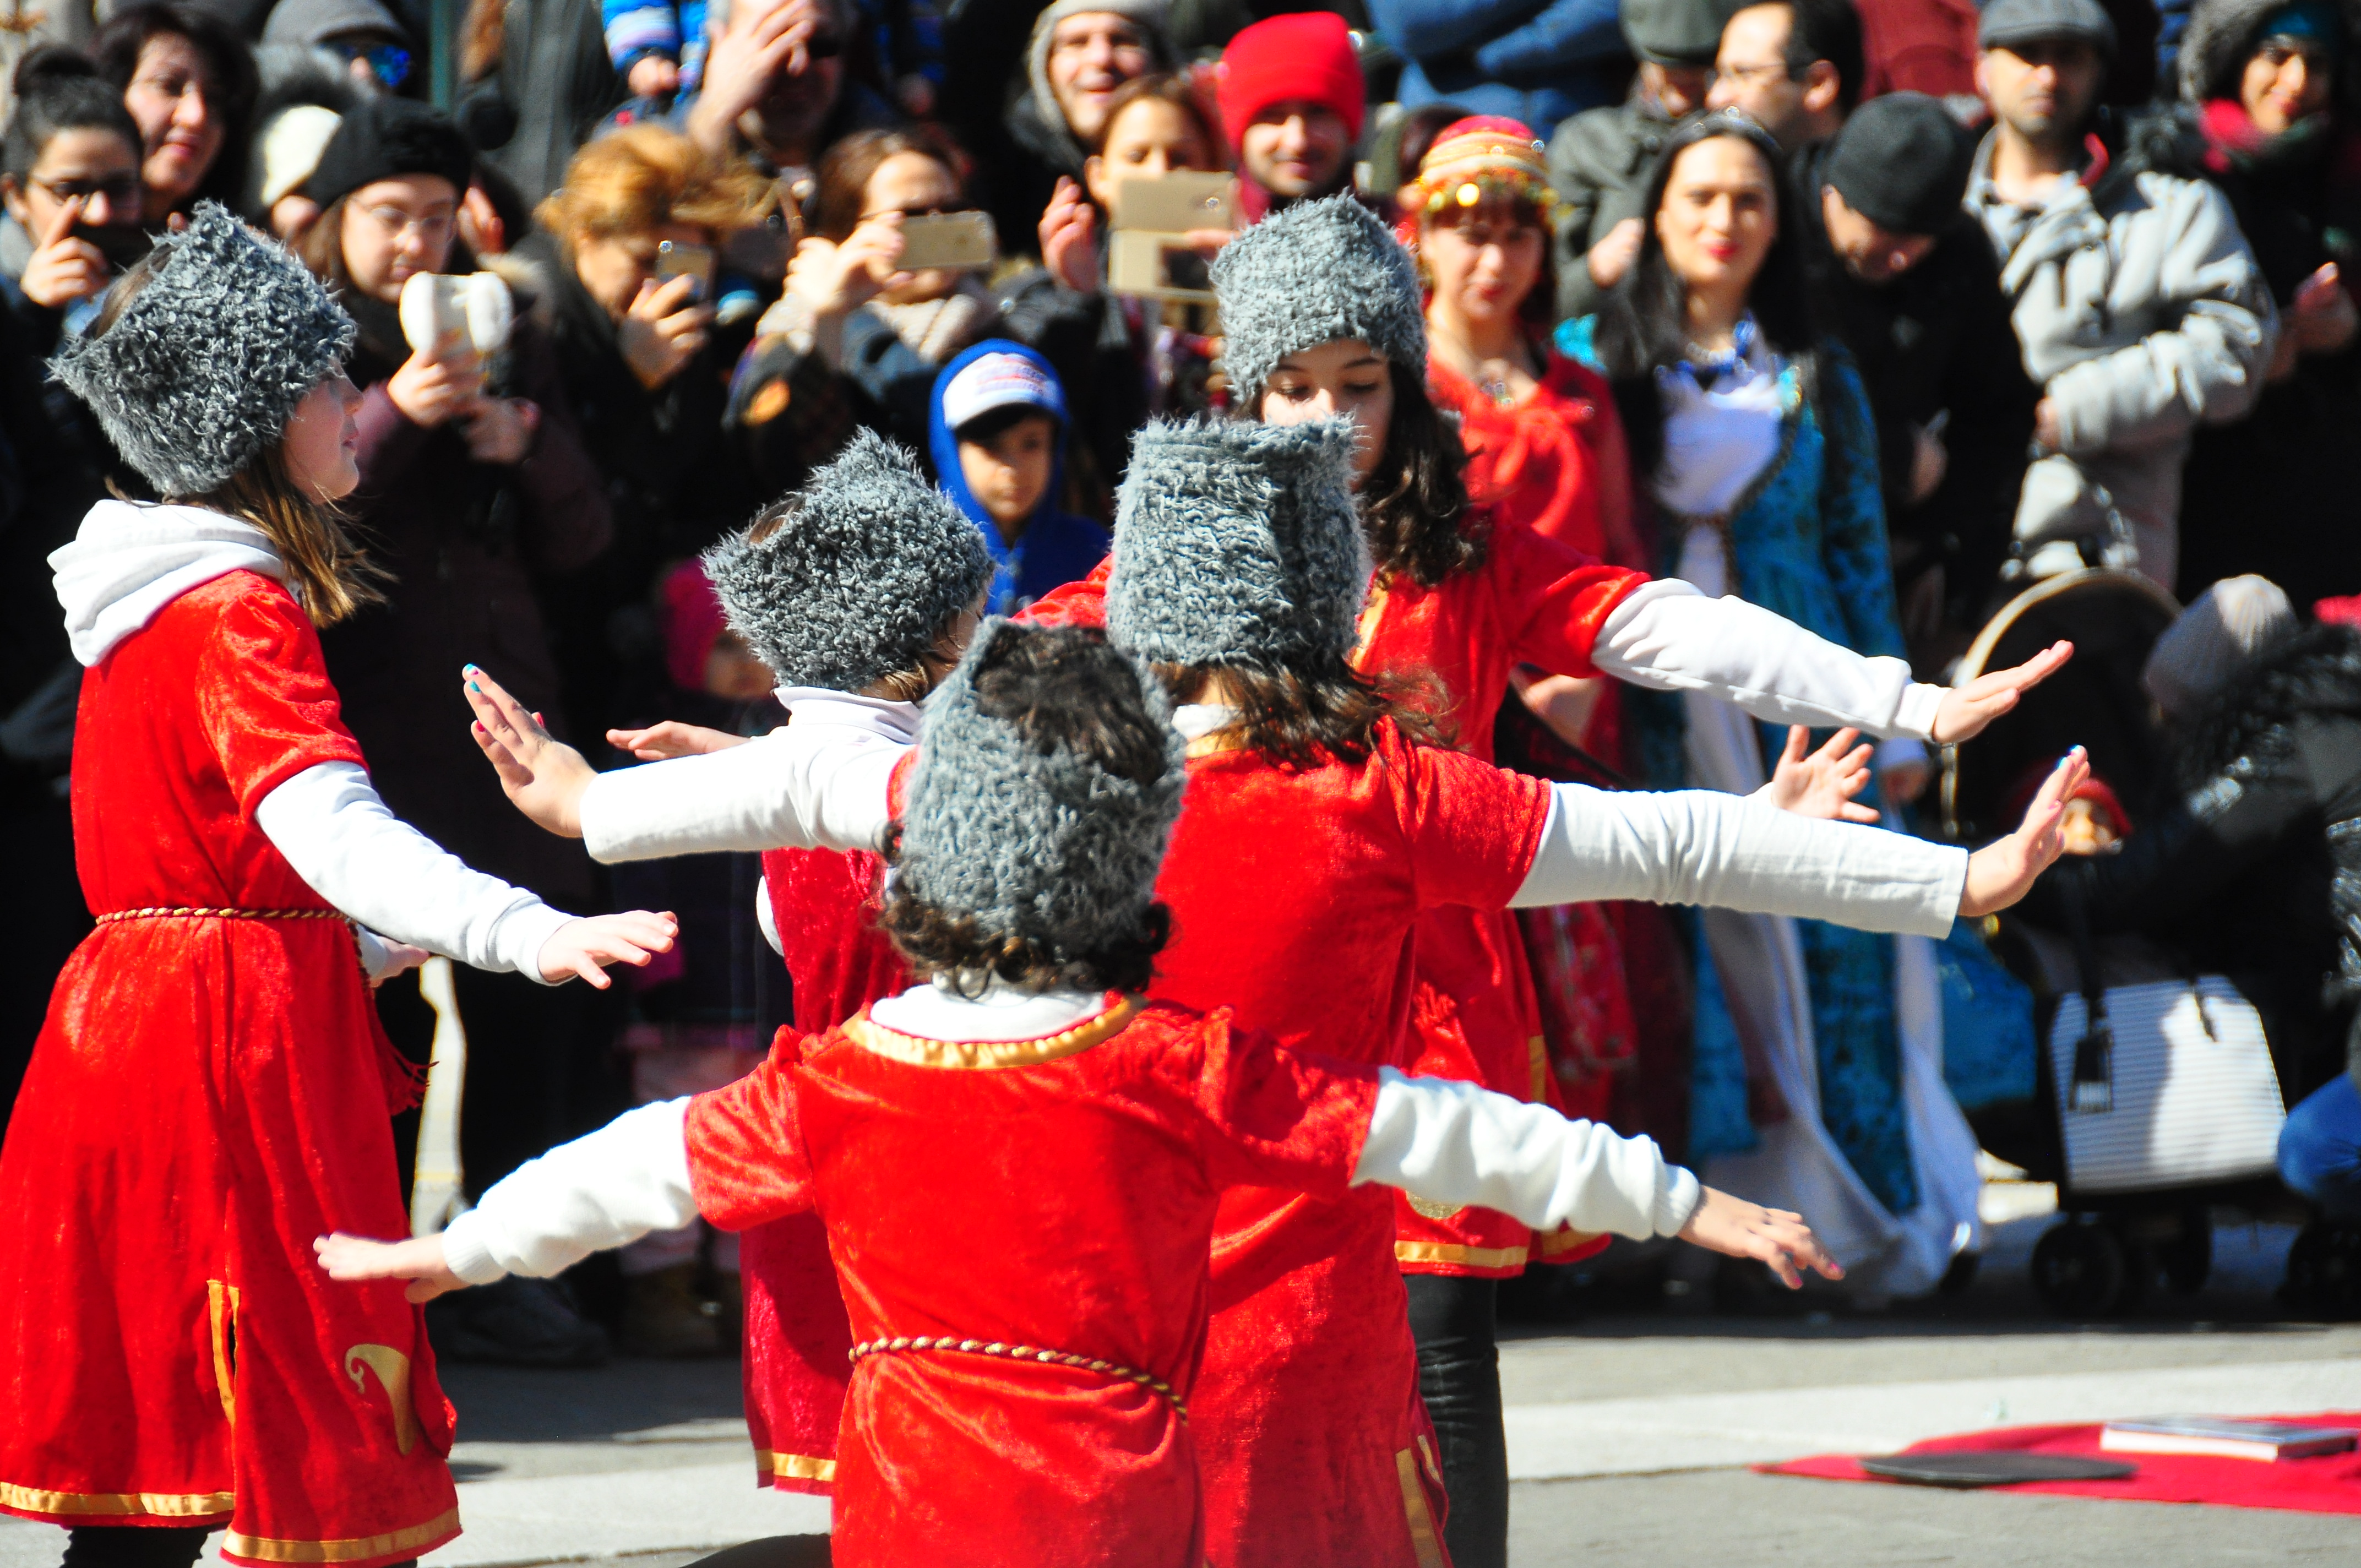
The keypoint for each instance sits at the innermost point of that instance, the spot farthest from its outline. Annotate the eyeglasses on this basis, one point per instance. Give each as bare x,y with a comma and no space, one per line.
124,191
389,63
935,211
433,228
1745,74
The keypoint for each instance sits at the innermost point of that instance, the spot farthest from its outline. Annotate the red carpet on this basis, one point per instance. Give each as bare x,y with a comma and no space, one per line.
2330,1484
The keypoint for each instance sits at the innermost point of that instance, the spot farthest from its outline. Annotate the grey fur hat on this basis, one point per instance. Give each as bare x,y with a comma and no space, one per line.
1238,543
1319,271
858,580
201,372
1033,840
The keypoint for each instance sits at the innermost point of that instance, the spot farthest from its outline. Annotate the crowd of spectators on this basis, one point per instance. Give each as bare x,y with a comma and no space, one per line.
1871,311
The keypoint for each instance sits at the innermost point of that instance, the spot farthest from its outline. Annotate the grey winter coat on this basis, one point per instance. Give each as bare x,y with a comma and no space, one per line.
1599,162
2140,312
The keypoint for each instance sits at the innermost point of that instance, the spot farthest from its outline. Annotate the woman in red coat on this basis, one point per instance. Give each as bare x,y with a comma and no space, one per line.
212,1089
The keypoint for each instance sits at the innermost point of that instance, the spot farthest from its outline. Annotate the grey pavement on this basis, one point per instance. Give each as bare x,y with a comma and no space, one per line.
1635,1408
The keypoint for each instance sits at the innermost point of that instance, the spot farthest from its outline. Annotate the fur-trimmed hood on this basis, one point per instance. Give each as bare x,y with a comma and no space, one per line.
2220,35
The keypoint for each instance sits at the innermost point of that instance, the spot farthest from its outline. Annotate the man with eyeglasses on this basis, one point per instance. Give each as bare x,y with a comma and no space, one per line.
1794,65
776,89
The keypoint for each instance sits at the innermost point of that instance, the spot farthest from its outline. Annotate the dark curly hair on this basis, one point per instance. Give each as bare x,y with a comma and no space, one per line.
1063,689
1414,508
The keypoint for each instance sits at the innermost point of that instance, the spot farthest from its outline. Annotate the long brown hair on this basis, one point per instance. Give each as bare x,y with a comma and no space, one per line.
326,570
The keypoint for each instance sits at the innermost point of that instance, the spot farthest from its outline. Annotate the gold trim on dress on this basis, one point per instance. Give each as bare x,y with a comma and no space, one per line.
793,1466
871,1036
1467,1257
158,1505
417,1538
1423,1537
1567,1239
393,1369
1537,1062
221,1313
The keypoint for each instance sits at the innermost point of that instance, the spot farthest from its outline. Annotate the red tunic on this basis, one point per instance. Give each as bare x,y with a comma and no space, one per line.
1080,1175
1294,894
1555,461
208,1095
1533,601
825,906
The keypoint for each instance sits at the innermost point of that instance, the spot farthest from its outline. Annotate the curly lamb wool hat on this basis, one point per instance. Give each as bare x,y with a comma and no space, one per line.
1238,543
1028,836
1319,271
200,371
859,576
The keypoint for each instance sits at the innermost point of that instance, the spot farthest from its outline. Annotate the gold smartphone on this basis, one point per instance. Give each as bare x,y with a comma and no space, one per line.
1146,251
677,260
956,242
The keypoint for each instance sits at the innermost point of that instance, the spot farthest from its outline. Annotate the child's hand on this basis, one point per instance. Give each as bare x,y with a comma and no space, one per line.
401,958
1965,710
545,777
418,1260
662,742
1732,1225
653,76
2003,871
583,947
1824,783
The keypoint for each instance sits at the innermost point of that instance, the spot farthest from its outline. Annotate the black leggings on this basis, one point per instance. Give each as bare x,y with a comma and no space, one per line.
141,1546
1456,1325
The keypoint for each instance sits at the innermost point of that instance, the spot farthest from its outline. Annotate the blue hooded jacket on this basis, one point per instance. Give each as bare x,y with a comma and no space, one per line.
1054,547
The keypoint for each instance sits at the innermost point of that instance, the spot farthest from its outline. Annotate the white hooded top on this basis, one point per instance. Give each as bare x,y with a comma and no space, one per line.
128,560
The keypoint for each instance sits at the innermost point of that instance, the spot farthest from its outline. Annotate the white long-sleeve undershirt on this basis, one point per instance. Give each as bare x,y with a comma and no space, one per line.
1439,1140
338,834
1666,636
1735,852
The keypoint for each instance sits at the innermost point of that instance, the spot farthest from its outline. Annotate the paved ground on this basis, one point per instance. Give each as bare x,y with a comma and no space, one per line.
1631,1419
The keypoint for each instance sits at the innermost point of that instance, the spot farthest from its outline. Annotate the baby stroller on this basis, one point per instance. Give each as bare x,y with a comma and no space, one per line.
2119,1235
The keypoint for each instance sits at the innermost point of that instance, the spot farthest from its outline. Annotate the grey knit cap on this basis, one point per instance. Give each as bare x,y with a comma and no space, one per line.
1319,271
1238,543
201,372
860,579
1033,840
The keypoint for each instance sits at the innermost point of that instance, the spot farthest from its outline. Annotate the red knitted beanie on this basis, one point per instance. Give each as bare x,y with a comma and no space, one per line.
1303,55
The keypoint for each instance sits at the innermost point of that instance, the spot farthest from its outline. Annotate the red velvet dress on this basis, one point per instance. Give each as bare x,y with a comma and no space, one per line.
825,906
1053,1200
1533,601
1294,894
208,1095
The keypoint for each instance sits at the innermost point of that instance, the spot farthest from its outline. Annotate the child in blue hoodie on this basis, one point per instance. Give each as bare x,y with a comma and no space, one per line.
998,433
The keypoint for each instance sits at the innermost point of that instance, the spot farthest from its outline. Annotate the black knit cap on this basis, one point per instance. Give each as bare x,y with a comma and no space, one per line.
1901,161
387,136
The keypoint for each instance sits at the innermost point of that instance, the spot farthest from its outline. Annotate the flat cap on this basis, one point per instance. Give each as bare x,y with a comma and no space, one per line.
2007,23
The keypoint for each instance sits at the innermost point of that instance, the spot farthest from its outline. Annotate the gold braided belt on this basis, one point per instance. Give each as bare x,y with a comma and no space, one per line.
221,915
1019,1352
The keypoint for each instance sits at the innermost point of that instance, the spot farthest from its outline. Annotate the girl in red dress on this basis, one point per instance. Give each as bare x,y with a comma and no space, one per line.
1317,834
1021,1165
212,1089
1325,316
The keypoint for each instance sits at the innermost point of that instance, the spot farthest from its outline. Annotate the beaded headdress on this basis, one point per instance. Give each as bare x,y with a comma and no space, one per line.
1485,158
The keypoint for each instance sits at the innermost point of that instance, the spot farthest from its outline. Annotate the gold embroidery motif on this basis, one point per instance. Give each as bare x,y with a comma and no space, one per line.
416,1539
1422,1537
1372,608
157,1505
221,1314
1467,1257
872,1036
793,1466
1537,1060
1433,1209
393,1369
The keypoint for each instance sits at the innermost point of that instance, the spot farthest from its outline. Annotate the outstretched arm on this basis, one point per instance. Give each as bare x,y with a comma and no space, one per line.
603,1190
1666,636
809,785
1454,1143
330,823
1700,847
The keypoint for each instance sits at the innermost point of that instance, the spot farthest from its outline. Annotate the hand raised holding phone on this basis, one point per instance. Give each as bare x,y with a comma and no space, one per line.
664,328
